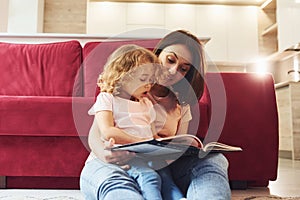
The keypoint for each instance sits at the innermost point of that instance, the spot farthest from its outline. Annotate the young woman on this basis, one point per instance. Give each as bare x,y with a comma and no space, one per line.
206,178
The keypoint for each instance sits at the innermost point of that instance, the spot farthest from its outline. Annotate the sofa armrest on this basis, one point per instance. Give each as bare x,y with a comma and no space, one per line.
44,115
250,121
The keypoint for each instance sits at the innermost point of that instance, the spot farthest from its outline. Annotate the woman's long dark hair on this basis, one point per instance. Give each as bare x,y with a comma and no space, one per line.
191,89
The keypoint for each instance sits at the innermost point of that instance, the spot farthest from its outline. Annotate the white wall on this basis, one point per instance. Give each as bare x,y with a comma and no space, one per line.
288,15
232,29
3,15
25,16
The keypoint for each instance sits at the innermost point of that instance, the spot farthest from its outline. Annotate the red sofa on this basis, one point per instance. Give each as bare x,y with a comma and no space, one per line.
46,90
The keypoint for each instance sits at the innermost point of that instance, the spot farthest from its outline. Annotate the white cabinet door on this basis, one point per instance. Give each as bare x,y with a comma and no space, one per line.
288,15
233,32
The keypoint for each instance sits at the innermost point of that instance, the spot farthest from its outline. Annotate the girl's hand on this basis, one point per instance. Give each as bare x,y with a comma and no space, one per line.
120,158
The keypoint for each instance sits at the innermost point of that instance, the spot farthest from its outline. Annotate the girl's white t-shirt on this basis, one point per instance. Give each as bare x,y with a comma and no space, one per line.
133,117
121,107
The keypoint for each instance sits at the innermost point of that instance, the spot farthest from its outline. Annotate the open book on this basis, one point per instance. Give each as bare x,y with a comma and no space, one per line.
178,145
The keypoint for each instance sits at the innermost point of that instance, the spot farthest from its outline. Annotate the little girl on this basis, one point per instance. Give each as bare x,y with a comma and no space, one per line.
124,113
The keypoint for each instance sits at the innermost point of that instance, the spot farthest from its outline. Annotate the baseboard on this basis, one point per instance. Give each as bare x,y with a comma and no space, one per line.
29,182
238,185
2,182
285,154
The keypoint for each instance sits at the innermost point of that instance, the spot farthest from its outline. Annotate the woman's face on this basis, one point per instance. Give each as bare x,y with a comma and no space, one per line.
177,59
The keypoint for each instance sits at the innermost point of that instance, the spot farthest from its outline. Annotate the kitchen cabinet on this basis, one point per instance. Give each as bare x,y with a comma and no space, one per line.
269,28
288,103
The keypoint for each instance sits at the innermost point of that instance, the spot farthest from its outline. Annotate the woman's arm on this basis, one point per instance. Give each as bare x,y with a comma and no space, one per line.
182,128
184,121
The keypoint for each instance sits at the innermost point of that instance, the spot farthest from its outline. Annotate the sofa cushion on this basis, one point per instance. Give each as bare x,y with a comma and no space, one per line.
44,116
40,69
95,55
200,116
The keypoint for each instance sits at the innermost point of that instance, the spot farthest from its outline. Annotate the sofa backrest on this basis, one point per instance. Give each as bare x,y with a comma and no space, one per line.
95,55
49,69
249,96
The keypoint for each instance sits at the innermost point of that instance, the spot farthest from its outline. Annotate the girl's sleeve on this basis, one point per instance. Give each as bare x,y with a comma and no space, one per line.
103,102
152,111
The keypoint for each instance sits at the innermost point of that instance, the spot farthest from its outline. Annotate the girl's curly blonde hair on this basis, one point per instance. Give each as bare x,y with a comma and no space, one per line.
121,62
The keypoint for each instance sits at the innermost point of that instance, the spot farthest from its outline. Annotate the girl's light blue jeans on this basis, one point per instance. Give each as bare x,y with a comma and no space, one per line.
199,179
103,181
148,180
169,189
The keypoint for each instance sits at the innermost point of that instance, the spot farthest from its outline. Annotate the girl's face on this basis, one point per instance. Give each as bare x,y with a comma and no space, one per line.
139,82
177,59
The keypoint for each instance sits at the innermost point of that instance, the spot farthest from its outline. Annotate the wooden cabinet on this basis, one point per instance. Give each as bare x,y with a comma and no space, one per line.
269,7
279,26
288,103
268,28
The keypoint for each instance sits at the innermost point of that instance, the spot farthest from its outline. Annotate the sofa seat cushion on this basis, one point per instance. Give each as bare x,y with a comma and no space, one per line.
95,55
40,69
44,116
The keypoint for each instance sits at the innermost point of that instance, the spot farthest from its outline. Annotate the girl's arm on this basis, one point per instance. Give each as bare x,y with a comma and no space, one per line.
95,142
99,148
106,126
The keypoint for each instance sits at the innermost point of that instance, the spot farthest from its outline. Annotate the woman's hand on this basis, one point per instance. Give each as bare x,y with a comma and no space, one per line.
120,158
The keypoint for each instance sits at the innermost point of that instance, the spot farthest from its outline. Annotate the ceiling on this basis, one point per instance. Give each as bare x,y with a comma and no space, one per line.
220,2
